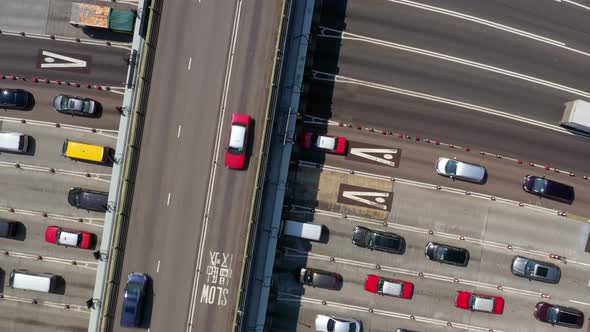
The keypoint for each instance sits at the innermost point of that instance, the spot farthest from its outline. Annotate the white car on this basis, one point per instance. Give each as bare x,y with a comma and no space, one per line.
325,323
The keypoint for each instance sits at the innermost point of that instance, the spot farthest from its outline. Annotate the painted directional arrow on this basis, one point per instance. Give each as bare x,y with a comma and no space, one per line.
50,57
369,153
378,198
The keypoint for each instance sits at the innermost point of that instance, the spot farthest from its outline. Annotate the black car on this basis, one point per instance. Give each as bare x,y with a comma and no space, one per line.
7,228
319,278
558,315
88,199
549,189
444,253
75,105
14,98
377,240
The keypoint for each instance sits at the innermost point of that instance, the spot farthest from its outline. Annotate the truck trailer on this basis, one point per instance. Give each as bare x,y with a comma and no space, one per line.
576,116
87,15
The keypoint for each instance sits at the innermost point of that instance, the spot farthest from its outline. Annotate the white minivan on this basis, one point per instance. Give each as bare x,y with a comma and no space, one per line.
304,230
14,142
40,282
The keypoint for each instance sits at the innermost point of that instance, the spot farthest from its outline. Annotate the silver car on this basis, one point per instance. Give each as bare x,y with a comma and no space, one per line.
324,323
535,270
461,170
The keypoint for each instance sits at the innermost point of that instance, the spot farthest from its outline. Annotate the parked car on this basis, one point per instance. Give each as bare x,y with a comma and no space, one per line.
377,240
67,237
133,300
88,199
533,269
324,323
386,286
14,98
558,315
319,278
548,188
447,254
7,228
235,155
479,302
79,106
460,170
325,143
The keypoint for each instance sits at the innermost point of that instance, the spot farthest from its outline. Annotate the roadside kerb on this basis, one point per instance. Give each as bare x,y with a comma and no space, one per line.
262,166
106,283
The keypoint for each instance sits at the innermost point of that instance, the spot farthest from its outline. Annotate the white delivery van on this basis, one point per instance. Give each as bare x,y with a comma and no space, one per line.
304,230
14,142
40,282
576,116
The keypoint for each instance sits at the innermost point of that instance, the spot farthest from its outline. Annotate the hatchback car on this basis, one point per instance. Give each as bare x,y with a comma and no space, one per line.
319,278
479,302
377,240
447,254
548,188
235,155
67,237
558,315
14,98
390,287
75,105
88,199
461,170
133,300
325,143
535,270
325,323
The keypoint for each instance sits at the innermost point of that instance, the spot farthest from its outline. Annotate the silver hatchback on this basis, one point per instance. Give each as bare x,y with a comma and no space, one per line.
461,170
535,270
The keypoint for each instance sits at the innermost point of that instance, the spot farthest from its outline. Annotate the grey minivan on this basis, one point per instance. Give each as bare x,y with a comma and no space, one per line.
319,278
461,170
535,270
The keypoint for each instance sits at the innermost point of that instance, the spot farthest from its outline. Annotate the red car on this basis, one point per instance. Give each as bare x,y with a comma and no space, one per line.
479,302
325,143
235,155
67,237
386,286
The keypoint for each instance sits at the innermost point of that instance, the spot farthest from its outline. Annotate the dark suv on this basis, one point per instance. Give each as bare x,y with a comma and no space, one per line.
377,240
549,189
558,315
7,228
319,278
535,270
444,253
88,199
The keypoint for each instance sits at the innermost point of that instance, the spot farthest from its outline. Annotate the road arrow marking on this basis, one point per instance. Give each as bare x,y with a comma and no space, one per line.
378,198
388,155
71,62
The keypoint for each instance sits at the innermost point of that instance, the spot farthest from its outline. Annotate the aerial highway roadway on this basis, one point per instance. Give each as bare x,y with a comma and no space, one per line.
189,213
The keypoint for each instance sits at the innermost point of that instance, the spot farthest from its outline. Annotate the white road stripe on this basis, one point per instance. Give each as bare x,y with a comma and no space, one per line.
190,60
158,267
574,3
179,128
578,302
168,201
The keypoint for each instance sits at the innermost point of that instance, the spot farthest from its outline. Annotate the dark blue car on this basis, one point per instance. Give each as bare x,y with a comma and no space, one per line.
549,189
133,301
14,98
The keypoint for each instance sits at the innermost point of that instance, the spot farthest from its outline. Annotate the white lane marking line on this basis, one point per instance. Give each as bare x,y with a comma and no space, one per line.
317,75
190,60
71,62
179,128
168,201
211,185
578,302
574,3
345,35
158,267
489,23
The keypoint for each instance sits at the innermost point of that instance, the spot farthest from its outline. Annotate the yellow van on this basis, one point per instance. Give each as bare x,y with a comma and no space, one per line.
85,152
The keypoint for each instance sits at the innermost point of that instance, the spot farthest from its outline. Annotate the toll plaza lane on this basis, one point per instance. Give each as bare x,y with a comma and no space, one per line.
505,177
46,143
65,61
508,48
42,109
367,107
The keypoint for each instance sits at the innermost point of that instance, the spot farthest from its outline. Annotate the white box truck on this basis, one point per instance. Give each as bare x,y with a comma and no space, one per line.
576,115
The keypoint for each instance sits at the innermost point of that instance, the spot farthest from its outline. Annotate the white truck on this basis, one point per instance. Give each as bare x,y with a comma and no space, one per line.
576,115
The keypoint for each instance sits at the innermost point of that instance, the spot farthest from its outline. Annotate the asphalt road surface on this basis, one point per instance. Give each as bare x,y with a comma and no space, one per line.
167,237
